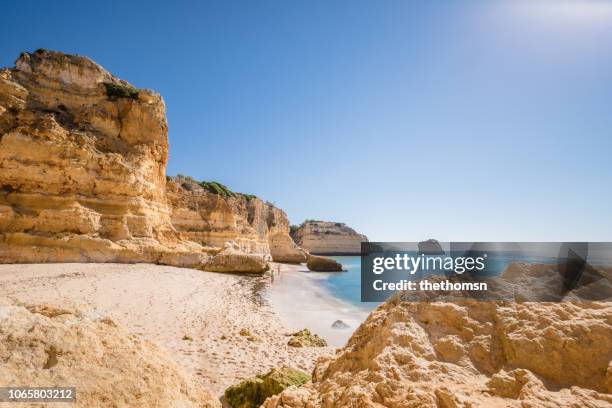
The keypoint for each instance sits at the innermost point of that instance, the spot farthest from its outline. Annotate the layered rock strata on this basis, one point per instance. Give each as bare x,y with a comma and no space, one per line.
82,167
211,220
82,177
231,259
328,238
322,264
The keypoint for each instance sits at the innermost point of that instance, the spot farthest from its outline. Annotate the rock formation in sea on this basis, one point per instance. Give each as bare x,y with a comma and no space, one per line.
430,247
323,264
328,238
468,353
211,215
42,346
82,176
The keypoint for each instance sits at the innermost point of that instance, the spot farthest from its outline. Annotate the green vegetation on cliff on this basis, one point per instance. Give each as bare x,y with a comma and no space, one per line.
114,91
213,187
217,188
249,197
304,338
252,392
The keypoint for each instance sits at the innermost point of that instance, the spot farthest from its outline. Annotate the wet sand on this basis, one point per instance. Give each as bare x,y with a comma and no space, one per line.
301,301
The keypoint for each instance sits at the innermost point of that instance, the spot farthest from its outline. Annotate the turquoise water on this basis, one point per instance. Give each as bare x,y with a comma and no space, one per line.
347,285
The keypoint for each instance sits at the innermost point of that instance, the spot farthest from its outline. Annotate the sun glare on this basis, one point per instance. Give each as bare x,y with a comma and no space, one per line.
566,11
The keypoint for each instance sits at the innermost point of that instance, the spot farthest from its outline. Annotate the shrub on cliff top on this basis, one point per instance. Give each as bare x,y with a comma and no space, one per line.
249,197
217,188
310,220
115,91
213,187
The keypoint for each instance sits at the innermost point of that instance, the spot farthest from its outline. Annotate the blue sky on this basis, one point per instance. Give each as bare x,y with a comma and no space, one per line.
459,120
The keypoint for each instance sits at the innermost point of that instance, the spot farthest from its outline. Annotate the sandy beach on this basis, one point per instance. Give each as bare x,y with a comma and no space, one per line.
197,316
299,299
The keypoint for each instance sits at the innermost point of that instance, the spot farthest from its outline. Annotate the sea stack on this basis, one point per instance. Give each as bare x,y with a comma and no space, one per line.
430,247
328,238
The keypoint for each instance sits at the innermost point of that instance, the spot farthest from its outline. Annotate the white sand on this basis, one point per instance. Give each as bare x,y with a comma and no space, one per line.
164,304
300,301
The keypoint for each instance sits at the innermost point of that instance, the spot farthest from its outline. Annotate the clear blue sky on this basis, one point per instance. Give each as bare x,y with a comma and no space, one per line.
459,120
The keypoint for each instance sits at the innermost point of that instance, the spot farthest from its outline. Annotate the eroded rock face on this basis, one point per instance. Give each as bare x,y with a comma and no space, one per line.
212,220
82,169
323,264
480,354
231,259
328,238
46,346
82,176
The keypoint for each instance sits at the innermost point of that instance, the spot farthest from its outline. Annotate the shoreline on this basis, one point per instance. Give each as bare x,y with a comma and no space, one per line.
301,301
195,316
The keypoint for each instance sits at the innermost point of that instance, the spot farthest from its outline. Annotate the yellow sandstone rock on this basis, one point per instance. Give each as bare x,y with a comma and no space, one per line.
45,346
323,264
82,170
254,226
82,176
477,354
328,238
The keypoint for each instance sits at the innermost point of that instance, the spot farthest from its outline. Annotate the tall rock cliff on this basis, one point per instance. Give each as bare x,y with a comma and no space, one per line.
328,238
82,167
211,215
82,177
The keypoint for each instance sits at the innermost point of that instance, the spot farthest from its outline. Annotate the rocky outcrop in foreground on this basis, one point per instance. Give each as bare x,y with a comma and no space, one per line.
305,338
328,238
82,167
468,354
41,346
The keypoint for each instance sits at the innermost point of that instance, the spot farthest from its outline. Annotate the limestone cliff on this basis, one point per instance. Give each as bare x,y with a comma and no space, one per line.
213,217
82,176
82,167
328,238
